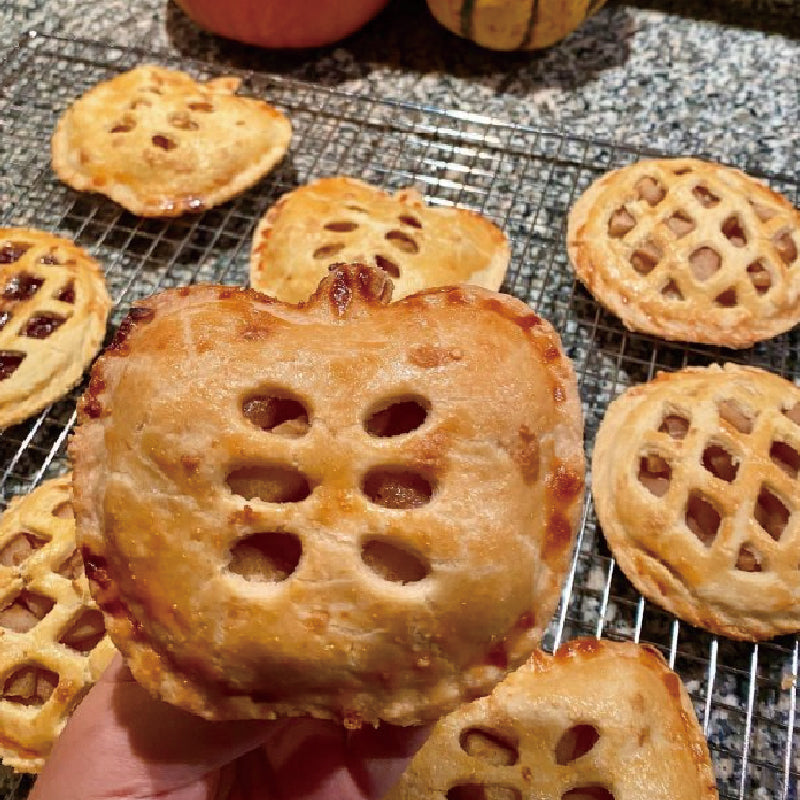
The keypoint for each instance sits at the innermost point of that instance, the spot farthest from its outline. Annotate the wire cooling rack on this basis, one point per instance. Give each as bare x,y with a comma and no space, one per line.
525,180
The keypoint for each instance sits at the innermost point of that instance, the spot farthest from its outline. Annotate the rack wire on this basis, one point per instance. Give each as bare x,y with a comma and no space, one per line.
524,179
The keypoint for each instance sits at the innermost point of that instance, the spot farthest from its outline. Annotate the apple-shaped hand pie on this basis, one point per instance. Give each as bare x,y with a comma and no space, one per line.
347,508
596,721
160,144
339,219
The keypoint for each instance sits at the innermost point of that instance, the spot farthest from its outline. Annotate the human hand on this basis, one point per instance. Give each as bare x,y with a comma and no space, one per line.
121,744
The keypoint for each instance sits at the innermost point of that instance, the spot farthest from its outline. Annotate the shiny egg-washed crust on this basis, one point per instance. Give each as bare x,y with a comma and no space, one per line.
44,277
161,144
346,220
162,429
516,741
709,580
733,280
50,568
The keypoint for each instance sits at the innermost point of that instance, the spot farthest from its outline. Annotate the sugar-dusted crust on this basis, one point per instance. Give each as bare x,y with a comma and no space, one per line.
39,565
689,250
161,144
476,505
596,715
346,220
737,453
53,308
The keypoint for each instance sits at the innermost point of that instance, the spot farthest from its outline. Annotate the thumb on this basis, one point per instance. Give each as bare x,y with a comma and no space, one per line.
140,746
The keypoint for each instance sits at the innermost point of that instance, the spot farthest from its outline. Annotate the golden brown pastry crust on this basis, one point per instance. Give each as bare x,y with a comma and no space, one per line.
39,565
53,311
476,505
346,220
161,144
721,441
596,714
689,250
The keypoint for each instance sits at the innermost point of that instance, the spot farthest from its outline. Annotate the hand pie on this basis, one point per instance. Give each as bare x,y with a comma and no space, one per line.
53,310
335,220
161,144
695,482
689,250
53,645
344,509
596,720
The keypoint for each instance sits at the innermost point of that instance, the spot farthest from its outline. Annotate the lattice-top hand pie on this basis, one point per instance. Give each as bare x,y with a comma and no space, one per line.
335,220
598,720
695,481
53,310
689,250
161,144
346,508
53,645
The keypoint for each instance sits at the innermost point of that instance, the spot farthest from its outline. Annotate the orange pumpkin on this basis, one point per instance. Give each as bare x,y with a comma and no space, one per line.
278,23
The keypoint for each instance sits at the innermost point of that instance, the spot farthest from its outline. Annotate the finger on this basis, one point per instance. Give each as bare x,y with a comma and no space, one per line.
380,755
141,747
319,760
248,778
308,758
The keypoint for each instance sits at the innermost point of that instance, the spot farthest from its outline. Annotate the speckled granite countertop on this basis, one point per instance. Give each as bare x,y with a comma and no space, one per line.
720,76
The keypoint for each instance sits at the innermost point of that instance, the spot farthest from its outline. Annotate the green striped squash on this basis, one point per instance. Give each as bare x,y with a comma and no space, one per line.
513,24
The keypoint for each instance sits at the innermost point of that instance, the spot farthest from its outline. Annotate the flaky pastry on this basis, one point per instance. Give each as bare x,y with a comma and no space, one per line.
695,479
348,508
160,144
53,645
53,311
689,250
346,220
596,720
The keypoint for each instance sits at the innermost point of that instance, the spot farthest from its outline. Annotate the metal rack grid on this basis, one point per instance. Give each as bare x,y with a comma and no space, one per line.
524,179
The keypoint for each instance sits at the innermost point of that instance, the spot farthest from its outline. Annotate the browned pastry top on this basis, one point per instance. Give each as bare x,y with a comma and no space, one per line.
53,645
53,310
601,720
346,220
160,143
695,479
344,508
689,250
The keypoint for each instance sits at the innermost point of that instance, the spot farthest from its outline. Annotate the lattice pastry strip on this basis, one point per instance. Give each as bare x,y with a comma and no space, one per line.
600,720
53,310
689,250
383,496
344,220
161,144
696,487
707,466
52,636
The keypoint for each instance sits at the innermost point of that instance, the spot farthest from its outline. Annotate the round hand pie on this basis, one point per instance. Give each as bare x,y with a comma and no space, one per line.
695,482
53,645
160,144
346,508
600,720
689,250
346,220
53,310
